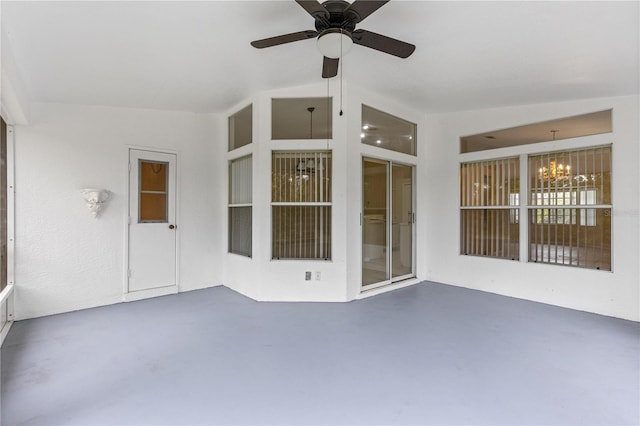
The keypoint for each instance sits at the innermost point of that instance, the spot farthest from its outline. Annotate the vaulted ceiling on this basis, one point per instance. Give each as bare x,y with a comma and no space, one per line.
196,56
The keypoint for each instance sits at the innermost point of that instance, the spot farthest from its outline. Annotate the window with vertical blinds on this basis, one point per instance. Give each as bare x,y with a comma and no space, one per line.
240,206
570,208
489,204
301,205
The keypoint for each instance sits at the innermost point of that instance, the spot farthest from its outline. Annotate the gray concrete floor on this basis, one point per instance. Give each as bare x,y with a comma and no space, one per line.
427,354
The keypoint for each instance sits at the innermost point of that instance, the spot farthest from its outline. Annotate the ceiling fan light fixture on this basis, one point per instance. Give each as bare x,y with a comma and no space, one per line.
334,43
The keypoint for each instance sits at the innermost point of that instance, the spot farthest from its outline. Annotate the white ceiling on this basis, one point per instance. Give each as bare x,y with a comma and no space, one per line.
195,56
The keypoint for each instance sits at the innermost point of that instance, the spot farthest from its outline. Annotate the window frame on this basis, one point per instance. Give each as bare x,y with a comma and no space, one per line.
578,212
326,202
490,207
231,205
523,152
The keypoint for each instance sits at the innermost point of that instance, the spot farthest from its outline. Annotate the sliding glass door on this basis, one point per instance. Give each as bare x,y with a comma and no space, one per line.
387,222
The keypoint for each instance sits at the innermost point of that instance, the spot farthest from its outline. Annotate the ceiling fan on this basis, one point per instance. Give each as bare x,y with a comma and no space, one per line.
335,22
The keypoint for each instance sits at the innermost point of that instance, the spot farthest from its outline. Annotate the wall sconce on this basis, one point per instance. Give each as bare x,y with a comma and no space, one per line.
95,198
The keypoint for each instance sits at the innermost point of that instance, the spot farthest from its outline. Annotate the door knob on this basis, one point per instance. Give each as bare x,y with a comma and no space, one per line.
171,226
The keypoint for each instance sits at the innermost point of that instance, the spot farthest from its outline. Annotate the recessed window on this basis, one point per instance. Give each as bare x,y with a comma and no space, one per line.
241,128
489,208
301,205
570,208
240,206
386,131
301,118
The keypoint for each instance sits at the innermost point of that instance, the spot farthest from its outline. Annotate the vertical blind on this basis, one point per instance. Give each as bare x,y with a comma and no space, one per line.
240,181
240,208
301,205
570,208
489,202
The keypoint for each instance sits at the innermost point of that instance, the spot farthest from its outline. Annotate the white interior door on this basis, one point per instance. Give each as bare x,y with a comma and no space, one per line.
152,220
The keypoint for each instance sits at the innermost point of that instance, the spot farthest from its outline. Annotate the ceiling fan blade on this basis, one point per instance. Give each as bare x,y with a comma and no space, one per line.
314,8
285,38
330,67
383,43
360,9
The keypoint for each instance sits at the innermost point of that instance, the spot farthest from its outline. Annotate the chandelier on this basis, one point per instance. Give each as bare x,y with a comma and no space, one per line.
556,172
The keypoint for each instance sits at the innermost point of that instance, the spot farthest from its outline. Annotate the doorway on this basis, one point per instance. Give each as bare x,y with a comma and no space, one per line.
387,223
152,262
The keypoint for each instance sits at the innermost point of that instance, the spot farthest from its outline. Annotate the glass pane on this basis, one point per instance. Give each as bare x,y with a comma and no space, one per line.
577,237
578,177
490,232
301,118
387,131
375,267
301,176
240,181
301,232
241,128
153,207
563,128
402,222
153,176
240,230
490,183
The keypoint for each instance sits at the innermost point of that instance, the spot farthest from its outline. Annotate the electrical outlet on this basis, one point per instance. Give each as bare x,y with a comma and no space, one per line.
318,276
307,276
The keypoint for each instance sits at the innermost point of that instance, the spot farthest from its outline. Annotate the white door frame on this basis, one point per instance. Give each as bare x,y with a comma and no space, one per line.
144,294
392,280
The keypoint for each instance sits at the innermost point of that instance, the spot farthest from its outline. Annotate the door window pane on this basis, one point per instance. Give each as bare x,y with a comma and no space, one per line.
375,267
402,220
153,196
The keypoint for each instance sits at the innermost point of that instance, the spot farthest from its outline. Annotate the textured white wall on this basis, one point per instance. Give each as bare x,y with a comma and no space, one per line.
610,293
66,259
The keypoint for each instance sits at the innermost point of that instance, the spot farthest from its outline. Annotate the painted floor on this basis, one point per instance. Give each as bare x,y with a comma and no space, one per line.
427,354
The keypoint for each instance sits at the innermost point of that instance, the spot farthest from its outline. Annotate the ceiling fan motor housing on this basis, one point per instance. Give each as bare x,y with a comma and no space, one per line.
337,18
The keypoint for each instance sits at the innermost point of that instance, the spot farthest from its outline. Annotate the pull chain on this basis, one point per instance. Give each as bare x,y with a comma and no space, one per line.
341,67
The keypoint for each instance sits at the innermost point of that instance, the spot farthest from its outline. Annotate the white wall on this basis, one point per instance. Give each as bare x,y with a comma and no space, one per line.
66,259
613,293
